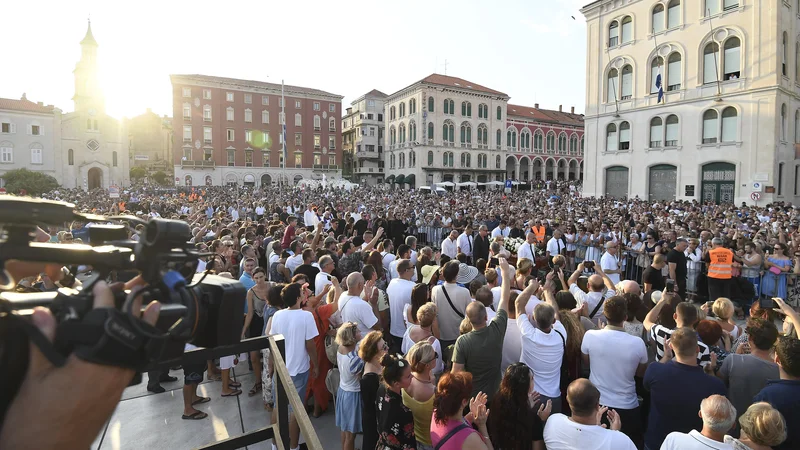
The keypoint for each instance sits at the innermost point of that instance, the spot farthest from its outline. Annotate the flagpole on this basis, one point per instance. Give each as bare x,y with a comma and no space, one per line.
719,51
619,77
283,134
660,87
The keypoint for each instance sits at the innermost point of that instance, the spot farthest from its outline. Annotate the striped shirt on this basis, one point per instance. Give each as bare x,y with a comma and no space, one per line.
661,333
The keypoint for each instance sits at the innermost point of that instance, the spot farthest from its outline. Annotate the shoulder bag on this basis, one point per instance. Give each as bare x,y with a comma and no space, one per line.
447,296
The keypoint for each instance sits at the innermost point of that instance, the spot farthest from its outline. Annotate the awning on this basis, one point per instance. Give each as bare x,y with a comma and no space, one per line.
400,179
445,183
410,179
389,179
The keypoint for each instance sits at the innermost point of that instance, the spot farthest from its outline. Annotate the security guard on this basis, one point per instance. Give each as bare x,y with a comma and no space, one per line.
720,263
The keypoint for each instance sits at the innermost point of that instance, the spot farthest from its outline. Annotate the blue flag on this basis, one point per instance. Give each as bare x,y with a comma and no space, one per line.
659,86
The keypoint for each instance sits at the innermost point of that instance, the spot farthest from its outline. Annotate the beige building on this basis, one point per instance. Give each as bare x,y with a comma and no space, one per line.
363,138
729,123
150,141
30,137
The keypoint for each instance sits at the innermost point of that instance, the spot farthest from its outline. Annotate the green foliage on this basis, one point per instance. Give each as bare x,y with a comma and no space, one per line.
161,178
34,183
137,173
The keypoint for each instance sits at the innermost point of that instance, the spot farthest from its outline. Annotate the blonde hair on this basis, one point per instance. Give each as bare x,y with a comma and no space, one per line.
426,314
559,260
523,265
659,258
764,424
723,308
420,355
465,327
346,334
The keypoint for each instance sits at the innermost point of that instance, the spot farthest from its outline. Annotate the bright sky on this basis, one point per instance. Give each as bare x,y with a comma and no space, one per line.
532,50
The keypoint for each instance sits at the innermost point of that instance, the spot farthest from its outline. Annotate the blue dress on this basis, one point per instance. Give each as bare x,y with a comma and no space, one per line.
775,285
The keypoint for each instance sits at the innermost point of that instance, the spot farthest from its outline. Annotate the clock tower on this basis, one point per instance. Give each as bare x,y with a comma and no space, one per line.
88,95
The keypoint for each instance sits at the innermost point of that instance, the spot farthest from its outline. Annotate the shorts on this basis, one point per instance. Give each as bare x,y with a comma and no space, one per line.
300,382
193,374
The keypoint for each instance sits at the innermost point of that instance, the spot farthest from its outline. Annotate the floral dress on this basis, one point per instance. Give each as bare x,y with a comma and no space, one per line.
395,422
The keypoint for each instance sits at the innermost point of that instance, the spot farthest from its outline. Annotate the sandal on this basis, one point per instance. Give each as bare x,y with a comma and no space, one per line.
256,389
201,400
233,394
214,377
234,384
197,415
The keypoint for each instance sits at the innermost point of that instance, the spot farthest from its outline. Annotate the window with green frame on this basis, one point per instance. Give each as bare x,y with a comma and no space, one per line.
499,113
430,158
430,130
430,104
498,138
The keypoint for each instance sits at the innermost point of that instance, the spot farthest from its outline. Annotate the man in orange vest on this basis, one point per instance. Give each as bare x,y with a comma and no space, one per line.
539,231
720,264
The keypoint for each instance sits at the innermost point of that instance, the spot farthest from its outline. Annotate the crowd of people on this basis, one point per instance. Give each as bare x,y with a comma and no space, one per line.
510,320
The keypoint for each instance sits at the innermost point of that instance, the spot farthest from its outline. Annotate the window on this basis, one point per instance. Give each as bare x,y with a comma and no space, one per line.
412,106
674,72
430,131
712,7
402,130
466,135
187,133
298,139
611,138
298,160
655,71
613,86
449,107
710,126
332,124
784,125
187,92
655,132
265,159
316,106
430,104
673,14
248,116
248,99
573,145
728,5
207,113
447,159
317,160
71,157
448,134
392,113
317,141
229,114
797,127
729,124
732,59
627,30
231,135
466,109
497,162
265,116
392,136
331,142
332,107
466,160
780,179
207,135
248,158
6,155
499,113
412,131
710,58
511,139
229,96
537,141
658,19
265,100
8,128
402,160
332,160
297,104
187,111
248,136
785,54
624,136
627,83
317,123
672,131
613,34
562,143
36,156
430,158
551,142
498,138
231,157
298,120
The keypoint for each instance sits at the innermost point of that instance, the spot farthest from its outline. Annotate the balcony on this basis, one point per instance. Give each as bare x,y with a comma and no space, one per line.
189,140
198,164
326,167
185,117
367,155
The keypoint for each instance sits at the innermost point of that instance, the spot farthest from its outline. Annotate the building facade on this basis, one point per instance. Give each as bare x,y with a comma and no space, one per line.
150,141
30,137
228,131
445,129
729,122
94,153
363,135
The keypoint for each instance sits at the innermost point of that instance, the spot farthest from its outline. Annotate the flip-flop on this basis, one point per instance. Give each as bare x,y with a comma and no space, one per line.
232,394
195,416
215,378
201,400
256,389
234,384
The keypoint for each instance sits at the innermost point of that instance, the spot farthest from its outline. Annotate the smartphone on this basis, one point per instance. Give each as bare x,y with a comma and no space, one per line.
670,285
767,303
588,264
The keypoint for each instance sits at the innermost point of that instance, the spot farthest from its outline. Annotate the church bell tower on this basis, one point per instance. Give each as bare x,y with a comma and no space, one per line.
88,95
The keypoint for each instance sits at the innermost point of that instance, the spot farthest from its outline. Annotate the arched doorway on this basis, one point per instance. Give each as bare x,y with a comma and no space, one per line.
616,182
266,180
663,182
537,169
249,180
188,180
230,180
208,180
297,179
549,170
95,178
561,169
511,168
524,169
719,182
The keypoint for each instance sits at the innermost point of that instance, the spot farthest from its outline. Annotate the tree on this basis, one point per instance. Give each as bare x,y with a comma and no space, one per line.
33,183
137,173
161,178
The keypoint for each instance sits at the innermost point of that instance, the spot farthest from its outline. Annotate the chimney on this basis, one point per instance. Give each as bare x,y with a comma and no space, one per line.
536,105
560,108
572,110
349,111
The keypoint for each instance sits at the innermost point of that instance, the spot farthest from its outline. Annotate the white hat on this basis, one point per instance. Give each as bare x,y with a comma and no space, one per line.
466,274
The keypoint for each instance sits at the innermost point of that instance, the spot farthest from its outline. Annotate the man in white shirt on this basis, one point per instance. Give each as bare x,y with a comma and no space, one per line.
597,283
450,316
387,255
299,330
610,262
450,245
719,417
555,246
326,266
403,252
310,217
582,430
399,293
234,212
294,261
544,341
501,230
465,243
614,358
355,309
528,249
260,210
411,242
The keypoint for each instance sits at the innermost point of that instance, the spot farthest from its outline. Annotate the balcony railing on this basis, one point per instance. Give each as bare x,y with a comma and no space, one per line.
198,164
326,167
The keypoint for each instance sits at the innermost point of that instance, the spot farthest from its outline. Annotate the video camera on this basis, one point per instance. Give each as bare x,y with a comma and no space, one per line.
202,309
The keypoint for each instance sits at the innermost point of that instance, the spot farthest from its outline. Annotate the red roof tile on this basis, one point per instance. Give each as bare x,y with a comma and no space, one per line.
545,115
461,83
24,105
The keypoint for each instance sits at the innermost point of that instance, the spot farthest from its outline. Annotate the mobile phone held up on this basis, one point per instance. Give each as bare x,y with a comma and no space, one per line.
670,285
767,303
588,264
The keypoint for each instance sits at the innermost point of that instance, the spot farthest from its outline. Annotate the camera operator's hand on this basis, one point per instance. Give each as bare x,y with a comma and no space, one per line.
65,407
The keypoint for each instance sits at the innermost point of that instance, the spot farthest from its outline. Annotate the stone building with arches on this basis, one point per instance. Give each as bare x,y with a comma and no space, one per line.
730,112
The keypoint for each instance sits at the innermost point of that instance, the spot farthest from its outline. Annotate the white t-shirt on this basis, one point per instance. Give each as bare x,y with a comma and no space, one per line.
297,327
354,309
437,347
561,433
498,232
543,353
496,291
554,246
387,259
350,366
320,282
691,441
526,250
449,248
293,262
532,302
610,262
592,298
614,357
399,293
512,346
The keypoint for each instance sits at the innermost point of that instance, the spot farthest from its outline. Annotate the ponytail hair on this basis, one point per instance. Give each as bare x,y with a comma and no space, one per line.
393,368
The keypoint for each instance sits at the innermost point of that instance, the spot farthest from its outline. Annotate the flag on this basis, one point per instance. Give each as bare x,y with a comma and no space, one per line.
659,86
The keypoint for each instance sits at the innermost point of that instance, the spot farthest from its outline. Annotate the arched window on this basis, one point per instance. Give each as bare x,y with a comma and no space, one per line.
611,138
412,131
402,109
785,54
482,136
448,133
444,159
729,124
627,29
537,141
465,159
673,14
624,136
613,86
412,106
392,114
430,104
412,159
466,135
449,106
784,124
498,138
466,109
797,62
797,127
430,158
583,140
511,139
710,126
483,111
562,143
402,132
658,19
551,142
402,159
392,136
732,59
673,72
114,159
497,162
499,113
627,83
655,70
613,34
710,60
655,132
430,132
70,157
573,145
673,131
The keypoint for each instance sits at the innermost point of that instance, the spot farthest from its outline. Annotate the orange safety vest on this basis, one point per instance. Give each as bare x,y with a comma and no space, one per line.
721,263
539,232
